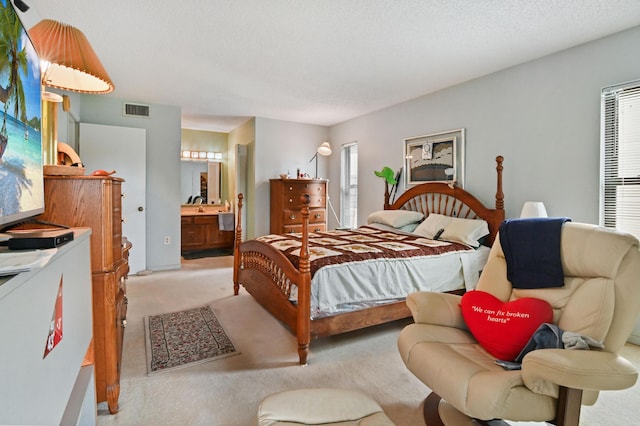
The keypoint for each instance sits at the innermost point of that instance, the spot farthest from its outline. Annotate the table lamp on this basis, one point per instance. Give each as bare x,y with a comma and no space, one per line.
68,63
533,209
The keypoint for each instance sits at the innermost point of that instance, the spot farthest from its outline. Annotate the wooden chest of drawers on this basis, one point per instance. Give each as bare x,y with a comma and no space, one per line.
96,203
286,215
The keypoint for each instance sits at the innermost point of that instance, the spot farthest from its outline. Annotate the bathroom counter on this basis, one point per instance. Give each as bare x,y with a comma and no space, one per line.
201,210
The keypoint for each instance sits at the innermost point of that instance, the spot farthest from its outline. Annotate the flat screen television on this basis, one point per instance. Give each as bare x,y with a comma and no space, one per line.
21,168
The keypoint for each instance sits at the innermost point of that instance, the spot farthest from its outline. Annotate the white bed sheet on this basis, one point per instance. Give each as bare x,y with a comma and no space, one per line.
340,288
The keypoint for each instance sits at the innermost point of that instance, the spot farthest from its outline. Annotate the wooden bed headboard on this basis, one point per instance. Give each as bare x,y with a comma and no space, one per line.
440,198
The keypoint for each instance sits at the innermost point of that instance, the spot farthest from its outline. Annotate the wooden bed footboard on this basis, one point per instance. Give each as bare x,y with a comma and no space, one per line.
269,276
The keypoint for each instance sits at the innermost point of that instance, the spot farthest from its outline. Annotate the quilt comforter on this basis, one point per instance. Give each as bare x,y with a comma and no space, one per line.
353,269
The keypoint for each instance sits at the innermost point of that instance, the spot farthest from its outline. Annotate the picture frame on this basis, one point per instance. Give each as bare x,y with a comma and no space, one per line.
437,157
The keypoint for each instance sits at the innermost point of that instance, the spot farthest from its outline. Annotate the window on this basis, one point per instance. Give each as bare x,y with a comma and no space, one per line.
620,163
349,185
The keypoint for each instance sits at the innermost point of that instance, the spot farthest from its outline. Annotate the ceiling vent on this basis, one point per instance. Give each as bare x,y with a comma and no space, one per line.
136,110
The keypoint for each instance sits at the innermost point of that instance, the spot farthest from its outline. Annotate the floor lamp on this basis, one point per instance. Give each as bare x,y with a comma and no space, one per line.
324,149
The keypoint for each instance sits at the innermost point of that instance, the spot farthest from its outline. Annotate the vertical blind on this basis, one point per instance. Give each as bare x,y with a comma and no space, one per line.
349,185
620,195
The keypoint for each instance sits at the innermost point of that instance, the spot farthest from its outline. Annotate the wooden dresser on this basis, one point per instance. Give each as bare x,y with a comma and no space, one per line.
286,216
202,231
95,202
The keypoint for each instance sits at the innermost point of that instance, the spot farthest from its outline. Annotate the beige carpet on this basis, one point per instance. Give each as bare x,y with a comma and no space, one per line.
227,392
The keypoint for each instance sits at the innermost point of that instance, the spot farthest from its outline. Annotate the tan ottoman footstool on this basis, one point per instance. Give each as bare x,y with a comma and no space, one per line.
321,407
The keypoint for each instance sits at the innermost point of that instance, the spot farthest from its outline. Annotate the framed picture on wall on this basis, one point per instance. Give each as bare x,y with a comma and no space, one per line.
438,157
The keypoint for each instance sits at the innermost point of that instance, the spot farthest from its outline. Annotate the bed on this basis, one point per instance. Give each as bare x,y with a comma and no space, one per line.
283,272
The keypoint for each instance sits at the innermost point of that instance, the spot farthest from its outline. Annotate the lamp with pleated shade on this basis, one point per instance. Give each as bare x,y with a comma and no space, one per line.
68,63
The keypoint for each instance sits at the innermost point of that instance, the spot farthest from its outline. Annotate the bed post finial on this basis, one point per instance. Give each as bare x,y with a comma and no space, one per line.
499,193
236,247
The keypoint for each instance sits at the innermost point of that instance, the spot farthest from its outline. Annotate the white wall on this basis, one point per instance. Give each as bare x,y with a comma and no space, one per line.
283,146
163,196
542,116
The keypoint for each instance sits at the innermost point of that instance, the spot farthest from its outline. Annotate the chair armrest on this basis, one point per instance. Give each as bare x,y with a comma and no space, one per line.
579,369
436,308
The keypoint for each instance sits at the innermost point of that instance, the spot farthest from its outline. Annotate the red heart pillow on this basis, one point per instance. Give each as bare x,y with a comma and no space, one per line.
503,328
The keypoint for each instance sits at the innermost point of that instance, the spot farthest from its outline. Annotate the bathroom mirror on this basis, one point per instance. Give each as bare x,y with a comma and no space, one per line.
201,182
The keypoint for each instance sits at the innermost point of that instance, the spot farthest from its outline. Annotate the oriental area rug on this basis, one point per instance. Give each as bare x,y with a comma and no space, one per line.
183,339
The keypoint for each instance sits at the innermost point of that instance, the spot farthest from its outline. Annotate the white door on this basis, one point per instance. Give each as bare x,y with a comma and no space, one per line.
122,149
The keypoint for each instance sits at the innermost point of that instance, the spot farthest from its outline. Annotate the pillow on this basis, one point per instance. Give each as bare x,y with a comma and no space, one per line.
409,227
395,218
465,231
503,328
431,225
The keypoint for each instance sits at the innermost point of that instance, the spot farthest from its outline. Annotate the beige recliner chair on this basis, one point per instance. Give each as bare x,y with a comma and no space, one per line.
600,299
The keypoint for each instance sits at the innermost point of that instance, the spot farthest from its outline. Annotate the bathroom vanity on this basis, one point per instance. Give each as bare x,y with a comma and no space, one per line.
200,229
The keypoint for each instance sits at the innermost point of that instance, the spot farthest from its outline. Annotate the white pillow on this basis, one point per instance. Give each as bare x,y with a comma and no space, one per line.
395,218
465,231
431,225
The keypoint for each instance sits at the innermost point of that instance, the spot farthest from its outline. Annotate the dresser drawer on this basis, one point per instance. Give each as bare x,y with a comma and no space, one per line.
293,191
313,227
294,217
294,202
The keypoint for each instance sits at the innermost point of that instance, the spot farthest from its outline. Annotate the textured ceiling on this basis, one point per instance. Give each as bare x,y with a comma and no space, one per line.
318,61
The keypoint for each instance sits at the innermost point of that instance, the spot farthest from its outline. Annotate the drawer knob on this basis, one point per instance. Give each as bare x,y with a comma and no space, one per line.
126,300
317,215
316,230
293,216
123,220
290,200
291,188
123,195
124,323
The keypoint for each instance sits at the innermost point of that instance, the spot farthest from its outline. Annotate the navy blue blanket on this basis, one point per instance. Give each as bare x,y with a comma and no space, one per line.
532,250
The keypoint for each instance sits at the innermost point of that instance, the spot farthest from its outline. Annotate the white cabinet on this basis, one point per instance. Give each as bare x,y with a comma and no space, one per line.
56,388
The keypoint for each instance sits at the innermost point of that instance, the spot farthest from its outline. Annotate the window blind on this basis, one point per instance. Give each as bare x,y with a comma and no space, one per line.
620,194
349,185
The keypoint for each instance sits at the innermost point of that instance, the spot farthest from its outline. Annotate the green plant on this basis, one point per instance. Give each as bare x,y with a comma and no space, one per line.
388,174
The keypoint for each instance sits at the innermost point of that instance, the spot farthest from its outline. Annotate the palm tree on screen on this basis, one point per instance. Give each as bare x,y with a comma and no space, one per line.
12,61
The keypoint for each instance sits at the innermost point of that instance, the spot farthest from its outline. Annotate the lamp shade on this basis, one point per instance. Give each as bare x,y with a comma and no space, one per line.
533,209
324,149
70,62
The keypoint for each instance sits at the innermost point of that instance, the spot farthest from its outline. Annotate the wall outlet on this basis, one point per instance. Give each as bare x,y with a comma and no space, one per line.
167,240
